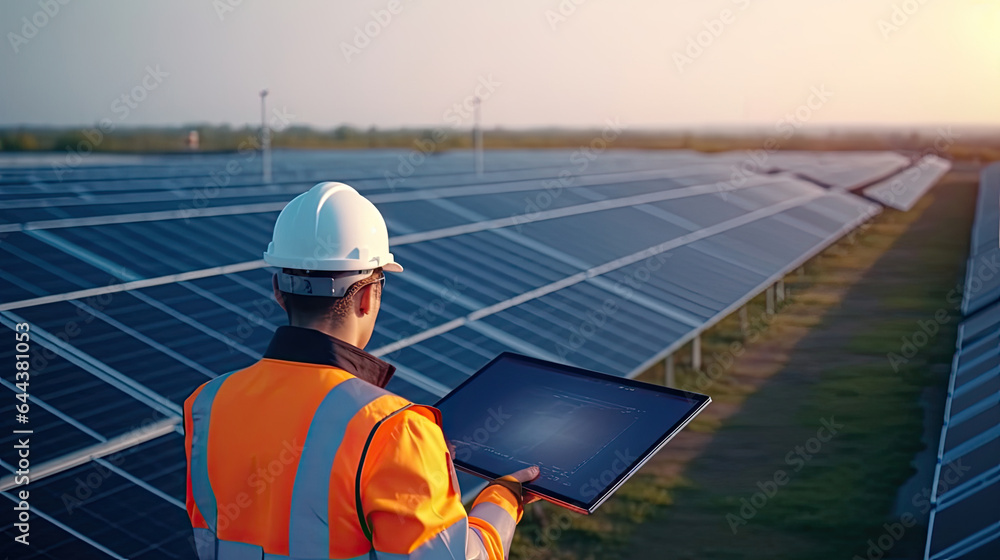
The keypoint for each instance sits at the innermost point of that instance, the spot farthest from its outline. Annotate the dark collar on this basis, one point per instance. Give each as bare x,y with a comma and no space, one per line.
300,344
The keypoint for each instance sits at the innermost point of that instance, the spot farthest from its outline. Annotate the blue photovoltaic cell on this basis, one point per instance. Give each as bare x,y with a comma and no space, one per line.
111,509
987,551
70,389
971,515
52,436
696,282
982,281
46,540
778,189
417,215
449,358
489,267
161,463
703,210
139,360
407,309
903,190
574,324
986,231
601,237
838,170
419,358
159,248
191,201
32,268
639,187
521,204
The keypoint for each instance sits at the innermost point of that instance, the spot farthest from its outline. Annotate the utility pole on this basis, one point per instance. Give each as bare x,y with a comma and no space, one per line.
265,139
477,136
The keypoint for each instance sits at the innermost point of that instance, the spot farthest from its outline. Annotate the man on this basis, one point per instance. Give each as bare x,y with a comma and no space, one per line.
304,454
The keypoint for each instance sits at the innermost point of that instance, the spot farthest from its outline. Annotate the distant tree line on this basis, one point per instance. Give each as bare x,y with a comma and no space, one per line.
221,138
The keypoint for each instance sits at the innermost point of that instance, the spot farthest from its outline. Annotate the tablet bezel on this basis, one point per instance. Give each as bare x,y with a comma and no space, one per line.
559,499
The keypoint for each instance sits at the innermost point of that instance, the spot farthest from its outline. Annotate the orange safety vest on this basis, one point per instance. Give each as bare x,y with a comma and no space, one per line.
297,457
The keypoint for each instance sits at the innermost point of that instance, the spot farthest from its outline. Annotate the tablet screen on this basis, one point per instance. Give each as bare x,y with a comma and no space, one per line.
586,431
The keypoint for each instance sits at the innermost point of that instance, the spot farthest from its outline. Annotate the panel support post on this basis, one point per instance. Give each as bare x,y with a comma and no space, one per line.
668,371
696,353
769,296
780,291
744,320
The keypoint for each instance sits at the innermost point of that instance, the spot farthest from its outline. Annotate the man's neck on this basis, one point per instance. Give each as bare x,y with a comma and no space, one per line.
341,332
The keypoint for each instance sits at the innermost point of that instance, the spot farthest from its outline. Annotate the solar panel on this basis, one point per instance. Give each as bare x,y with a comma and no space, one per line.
982,280
965,519
131,504
903,190
616,266
841,171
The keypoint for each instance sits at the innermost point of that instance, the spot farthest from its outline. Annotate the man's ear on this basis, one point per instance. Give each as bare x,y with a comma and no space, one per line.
277,292
367,299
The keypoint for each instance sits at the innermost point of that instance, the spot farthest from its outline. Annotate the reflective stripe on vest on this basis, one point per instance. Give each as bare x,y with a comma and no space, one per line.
446,545
201,488
308,531
210,548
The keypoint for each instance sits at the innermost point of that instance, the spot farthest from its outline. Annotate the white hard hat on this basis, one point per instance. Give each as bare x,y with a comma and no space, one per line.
330,227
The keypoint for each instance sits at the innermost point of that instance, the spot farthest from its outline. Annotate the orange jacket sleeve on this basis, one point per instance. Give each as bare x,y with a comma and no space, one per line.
412,501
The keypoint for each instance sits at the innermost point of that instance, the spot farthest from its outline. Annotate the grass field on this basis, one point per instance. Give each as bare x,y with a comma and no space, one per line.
819,412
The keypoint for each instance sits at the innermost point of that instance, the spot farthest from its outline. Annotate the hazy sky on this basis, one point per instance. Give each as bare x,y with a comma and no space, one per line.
647,63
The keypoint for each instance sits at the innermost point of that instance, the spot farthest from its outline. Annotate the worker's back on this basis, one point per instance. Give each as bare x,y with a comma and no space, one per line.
283,445
304,454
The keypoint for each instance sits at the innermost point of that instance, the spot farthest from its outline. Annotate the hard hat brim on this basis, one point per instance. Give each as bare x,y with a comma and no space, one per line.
333,265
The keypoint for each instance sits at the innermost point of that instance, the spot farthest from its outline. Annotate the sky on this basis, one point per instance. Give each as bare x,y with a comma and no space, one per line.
567,63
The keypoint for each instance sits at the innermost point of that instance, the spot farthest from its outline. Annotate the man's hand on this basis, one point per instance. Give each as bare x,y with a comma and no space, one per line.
525,475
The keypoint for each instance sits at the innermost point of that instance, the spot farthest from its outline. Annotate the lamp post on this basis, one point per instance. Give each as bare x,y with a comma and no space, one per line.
477,137
265,139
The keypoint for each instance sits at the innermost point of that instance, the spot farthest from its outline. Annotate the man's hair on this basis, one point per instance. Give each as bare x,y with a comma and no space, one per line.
309,309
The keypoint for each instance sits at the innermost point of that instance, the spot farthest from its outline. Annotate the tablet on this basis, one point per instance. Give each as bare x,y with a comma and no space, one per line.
588,432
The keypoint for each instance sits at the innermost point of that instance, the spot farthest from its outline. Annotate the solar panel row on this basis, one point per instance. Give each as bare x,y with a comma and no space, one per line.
842,171
903,190
611,266
982,279
965,519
